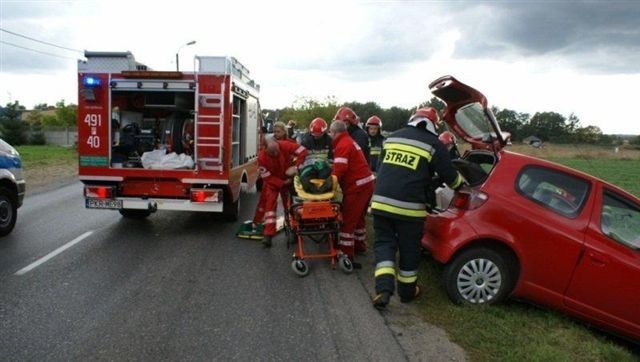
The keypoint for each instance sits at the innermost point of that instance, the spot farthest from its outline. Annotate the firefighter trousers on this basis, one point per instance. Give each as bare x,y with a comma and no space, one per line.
268,206
395,235
354,210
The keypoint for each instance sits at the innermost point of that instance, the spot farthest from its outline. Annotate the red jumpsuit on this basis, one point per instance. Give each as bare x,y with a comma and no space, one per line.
356,181
272,171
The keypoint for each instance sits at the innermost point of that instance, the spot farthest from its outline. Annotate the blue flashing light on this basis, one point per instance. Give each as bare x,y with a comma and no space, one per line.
90,82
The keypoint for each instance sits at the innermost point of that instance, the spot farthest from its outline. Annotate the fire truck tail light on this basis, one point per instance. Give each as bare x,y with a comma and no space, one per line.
206,195
99,192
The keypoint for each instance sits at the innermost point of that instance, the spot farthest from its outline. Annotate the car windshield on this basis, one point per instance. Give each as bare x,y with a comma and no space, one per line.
473,121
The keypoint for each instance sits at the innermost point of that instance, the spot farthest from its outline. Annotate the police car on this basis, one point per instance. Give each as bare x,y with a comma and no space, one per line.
12,187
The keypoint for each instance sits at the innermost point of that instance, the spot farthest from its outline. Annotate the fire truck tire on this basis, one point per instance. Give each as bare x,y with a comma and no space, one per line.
134,214
8,211
231,209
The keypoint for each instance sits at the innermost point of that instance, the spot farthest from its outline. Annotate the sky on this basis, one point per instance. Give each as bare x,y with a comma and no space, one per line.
579,57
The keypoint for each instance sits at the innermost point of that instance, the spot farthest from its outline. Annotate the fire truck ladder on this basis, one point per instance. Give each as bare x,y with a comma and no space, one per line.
207,124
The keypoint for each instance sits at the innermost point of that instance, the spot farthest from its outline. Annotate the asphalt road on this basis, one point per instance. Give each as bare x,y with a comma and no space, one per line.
180,286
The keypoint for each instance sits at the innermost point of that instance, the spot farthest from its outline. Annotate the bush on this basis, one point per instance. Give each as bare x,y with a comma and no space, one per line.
37,135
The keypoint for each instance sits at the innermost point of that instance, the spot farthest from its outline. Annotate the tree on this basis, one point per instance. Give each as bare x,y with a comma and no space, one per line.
549,126
588,134
395,118
37,134
513,122
41,106
66,114
12,128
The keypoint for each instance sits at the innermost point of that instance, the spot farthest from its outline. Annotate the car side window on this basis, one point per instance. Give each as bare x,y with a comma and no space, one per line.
560,192
620,219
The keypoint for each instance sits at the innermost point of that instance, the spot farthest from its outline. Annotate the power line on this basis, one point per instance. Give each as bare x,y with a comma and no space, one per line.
41,41
34,50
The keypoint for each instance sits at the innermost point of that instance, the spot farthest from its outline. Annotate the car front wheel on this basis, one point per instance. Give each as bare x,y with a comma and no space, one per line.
478,276
8,212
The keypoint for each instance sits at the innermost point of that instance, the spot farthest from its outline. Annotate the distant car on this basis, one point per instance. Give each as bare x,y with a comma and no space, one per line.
12,187
534,229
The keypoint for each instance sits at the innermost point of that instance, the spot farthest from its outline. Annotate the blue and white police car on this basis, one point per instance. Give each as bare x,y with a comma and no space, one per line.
12,187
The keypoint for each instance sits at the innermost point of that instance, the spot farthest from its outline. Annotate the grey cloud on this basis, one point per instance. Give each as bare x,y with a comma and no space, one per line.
602,37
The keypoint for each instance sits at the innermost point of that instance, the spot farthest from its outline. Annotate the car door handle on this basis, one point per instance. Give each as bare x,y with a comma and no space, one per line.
598,259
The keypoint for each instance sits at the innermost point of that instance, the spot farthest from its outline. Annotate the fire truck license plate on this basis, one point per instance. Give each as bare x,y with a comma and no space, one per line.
103,204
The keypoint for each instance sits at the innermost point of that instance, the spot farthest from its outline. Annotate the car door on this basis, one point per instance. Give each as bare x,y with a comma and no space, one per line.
606,284
548,214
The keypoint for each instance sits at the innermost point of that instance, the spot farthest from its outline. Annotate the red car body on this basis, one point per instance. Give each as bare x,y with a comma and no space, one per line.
534,229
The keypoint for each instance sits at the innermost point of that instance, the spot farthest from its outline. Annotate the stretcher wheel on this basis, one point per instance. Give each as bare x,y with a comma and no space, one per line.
345,264
300,267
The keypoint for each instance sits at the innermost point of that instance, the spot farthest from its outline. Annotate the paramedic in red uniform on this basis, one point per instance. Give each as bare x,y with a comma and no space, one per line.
356,181
274,166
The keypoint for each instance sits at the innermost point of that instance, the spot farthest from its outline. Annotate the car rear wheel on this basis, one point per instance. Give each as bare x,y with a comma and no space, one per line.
8,212
478,276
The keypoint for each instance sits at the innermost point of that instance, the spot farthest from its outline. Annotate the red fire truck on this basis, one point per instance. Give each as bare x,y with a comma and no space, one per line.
166,140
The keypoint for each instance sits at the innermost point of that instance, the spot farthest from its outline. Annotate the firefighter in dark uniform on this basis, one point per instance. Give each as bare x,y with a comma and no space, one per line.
348,116
410,157
376,139
317,141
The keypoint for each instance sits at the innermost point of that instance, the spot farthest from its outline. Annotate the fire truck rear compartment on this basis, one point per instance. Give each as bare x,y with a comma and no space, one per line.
149,120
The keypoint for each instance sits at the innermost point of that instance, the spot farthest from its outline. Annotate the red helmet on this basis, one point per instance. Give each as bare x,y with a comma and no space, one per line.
317,127
374,121
347,115
429,112
447,138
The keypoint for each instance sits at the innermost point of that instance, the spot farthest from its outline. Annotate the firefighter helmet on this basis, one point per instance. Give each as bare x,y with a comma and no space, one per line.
374,121
346,115
447,138
318,127
425,117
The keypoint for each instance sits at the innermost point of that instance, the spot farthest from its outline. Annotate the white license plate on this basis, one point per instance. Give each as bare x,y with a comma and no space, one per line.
103,204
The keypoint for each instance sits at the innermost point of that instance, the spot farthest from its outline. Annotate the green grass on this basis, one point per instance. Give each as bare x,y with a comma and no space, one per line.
44,156
623,173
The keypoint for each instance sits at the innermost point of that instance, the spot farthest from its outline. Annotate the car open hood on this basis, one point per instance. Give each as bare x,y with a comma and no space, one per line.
468,115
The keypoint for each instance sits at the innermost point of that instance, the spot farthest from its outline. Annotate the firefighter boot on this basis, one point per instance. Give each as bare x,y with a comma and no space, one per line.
410,297
381,300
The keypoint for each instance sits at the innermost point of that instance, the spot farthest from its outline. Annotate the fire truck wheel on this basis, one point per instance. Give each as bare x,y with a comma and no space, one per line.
230,209
8,211
134,214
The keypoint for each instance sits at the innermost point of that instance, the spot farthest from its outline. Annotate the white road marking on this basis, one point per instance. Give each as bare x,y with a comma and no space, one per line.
52,254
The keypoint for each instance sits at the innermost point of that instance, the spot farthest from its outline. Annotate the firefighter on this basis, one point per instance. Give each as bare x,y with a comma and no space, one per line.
317,141
409,159
280,132
356,181
276,170
348,116
376,139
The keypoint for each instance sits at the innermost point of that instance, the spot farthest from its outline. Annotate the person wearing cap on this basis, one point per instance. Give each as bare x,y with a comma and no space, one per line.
410,158
356,181
349,117
376,139
317,141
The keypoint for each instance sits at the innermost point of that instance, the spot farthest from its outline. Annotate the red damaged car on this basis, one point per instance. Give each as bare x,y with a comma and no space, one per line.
534,229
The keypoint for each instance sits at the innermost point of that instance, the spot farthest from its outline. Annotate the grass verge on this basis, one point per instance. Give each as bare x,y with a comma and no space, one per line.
47,165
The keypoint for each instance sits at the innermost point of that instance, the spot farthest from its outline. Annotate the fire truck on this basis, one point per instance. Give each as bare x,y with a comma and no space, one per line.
166,140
